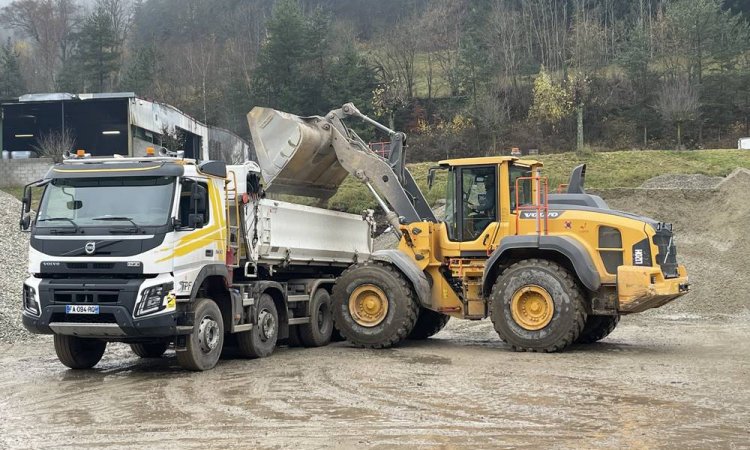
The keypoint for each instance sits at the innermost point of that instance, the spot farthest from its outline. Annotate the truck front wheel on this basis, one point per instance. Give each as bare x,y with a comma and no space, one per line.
205,343
374,305
79,353
537,305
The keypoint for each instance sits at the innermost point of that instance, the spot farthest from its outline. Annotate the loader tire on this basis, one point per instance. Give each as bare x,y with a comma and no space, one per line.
538,306
206,342
260,341
79,353
428,324
150,349
597,328
317,333
374,305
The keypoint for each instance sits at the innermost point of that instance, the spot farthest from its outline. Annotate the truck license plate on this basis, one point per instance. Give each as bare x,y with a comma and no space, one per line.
81,309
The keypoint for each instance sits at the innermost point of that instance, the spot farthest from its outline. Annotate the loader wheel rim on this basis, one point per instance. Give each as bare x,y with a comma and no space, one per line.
368,305
532,307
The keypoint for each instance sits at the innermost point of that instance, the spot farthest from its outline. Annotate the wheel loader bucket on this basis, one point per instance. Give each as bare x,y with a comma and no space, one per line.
295,153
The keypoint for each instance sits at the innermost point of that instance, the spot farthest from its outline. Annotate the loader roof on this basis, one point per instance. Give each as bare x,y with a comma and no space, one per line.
488,160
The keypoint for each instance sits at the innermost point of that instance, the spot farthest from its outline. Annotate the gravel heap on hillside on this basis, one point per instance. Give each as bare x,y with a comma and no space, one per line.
14,255
672,181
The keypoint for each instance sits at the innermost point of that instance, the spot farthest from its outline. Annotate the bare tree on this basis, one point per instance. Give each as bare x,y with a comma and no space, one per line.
55,143
50,24
442,32
678,102
397,58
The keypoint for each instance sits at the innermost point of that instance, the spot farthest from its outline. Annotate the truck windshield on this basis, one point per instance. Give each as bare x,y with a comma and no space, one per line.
106,202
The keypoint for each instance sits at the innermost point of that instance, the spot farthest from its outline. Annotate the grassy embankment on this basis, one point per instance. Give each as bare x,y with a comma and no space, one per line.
605,170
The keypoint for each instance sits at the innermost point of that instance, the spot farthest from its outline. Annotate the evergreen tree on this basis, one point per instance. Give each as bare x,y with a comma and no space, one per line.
11,80
139,74
98,50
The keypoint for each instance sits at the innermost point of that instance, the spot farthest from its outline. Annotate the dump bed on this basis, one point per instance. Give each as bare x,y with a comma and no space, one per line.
277,232
280,232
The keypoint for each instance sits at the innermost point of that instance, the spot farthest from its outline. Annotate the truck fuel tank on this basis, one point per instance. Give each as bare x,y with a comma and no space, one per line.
295,153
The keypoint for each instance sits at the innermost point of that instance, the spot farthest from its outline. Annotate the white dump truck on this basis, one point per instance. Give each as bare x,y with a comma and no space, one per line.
164,250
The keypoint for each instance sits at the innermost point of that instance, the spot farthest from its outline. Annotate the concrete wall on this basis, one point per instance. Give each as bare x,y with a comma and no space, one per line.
18,172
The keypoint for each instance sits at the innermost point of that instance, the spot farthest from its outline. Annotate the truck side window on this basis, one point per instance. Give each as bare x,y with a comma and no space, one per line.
188,205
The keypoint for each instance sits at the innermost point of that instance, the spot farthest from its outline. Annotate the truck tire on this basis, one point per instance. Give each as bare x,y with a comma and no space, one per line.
597,328
317,333
374,305
261,340
79,353
537,305
428,324
150,349
205,343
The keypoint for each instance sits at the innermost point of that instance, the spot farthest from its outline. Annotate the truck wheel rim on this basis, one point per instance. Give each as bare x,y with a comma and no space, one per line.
267,325
368,305
208,334
532,307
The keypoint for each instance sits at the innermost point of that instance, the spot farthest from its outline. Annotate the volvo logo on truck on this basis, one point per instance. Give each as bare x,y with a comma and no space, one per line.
90,248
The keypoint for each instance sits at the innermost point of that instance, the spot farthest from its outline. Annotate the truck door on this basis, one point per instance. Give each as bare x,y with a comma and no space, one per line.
199,232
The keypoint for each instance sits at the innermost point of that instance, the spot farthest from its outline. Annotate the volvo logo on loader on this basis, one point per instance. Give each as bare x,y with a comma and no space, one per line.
90,248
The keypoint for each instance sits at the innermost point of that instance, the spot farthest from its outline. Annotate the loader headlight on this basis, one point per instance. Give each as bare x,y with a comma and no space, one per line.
152,299
30,304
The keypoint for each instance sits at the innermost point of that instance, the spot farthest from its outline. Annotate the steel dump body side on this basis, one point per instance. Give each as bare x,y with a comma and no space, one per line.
303,235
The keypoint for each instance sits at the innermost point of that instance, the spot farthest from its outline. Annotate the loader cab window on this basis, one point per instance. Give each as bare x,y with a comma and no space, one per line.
193,210
525,196
471,202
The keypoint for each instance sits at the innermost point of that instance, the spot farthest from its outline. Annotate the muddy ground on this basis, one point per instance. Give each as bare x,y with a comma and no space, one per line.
659,380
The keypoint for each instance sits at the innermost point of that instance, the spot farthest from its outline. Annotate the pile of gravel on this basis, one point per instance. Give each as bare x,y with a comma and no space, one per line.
14,255
681,181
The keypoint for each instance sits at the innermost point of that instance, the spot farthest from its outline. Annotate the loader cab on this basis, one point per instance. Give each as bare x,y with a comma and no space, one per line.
481,196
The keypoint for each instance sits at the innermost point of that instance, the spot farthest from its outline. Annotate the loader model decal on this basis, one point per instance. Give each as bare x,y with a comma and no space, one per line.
533,214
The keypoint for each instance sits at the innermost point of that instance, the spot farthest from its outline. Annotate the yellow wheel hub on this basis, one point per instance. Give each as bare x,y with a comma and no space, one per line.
532,307
368,305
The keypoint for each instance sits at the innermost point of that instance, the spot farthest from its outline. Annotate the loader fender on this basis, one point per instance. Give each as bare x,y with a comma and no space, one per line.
409,268
572,253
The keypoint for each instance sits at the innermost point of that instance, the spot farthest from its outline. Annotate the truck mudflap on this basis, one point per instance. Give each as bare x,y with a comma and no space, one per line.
641,288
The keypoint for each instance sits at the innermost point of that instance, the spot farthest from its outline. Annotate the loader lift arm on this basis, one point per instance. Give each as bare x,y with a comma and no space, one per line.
316,152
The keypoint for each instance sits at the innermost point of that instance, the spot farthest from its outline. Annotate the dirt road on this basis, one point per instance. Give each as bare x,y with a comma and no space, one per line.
659,380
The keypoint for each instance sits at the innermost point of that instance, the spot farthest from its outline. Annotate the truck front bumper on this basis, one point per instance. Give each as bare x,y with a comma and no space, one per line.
641,288
116,300
112,322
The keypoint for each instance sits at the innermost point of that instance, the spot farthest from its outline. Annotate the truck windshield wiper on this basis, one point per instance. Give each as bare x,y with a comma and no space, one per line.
72,222
119,218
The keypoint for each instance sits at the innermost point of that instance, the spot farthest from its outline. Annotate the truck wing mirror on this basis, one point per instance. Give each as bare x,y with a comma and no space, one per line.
195,220
198,196
25,222
26,199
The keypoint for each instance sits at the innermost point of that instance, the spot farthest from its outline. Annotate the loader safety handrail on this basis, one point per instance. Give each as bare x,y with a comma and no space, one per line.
539,205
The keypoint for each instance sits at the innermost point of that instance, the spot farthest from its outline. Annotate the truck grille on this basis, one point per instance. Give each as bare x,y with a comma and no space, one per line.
100,296
667,256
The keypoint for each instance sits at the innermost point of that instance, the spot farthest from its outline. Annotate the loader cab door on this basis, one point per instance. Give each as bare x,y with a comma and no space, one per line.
472,207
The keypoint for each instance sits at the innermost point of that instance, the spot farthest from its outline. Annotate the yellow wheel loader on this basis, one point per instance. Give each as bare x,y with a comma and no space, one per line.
549,269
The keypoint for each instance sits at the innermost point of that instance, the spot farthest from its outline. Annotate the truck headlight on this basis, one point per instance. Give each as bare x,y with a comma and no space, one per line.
152,299
30,304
